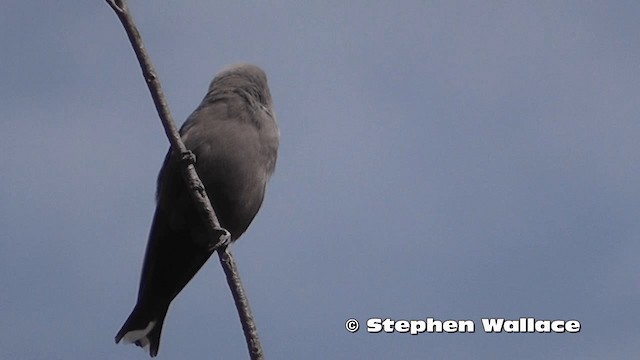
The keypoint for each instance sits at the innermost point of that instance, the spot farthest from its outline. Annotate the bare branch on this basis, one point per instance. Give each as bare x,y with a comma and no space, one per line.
242,304
193,181
189,172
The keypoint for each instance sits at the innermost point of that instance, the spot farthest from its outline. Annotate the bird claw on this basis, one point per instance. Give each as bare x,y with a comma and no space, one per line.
223,240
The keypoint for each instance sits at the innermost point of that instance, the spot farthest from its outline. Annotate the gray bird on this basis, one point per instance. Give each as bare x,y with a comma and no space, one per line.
234,136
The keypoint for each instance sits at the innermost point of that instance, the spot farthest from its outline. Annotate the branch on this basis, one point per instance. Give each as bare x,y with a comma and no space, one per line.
242,304
198,192
189,174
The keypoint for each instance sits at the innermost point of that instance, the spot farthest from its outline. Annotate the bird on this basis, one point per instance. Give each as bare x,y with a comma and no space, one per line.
234,136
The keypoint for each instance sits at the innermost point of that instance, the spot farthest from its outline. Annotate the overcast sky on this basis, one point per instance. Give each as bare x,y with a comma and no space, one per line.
454,160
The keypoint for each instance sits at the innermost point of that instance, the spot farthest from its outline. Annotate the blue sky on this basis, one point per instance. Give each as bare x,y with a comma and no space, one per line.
455,160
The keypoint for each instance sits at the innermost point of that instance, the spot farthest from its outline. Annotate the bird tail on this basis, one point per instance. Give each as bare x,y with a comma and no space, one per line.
143,329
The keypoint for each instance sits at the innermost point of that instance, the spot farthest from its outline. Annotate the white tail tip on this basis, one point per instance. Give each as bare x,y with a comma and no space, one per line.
139,336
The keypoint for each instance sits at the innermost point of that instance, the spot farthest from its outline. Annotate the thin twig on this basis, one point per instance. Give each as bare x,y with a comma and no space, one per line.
242,303
188,172
191,177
